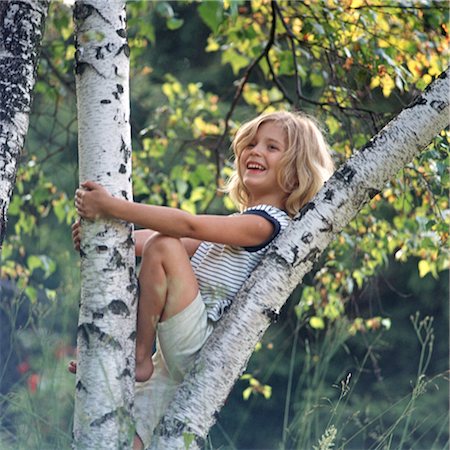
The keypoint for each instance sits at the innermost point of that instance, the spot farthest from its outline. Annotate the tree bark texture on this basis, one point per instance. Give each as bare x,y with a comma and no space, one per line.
225,355
106,327
21,30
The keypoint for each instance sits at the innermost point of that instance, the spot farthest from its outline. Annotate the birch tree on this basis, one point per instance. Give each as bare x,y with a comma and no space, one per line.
21,30
106,328
225,355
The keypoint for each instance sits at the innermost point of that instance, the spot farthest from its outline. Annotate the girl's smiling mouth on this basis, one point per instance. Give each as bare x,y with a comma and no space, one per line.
255,166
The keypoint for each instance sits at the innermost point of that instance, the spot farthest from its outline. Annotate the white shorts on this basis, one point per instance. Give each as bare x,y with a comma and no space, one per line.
178,340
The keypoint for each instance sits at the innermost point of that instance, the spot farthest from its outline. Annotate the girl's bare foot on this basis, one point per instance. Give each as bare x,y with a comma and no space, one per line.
144,369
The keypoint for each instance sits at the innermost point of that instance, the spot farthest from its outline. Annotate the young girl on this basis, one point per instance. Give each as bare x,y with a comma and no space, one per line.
192,266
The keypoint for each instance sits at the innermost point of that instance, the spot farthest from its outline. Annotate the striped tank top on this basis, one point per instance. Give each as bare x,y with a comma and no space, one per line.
222,269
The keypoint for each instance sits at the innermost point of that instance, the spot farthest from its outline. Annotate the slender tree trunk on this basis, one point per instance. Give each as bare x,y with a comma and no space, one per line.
21,31
292,255
106,328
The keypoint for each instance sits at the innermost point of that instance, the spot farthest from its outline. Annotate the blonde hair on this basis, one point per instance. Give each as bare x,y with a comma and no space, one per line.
305,165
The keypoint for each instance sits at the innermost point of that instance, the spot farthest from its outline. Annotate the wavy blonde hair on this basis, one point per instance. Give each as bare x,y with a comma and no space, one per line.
305,165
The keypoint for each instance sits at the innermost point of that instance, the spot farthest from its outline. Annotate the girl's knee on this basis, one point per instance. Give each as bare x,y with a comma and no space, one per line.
159,244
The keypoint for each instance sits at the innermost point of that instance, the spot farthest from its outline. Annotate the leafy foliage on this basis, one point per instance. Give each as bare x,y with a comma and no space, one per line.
198,70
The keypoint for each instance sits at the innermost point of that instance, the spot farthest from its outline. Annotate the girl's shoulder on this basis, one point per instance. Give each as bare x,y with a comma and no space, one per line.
269,211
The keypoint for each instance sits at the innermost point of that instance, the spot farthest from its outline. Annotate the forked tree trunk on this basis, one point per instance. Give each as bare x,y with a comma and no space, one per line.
291,256
21,30
106,328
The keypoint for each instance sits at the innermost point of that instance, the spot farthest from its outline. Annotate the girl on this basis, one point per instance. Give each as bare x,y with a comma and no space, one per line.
192,266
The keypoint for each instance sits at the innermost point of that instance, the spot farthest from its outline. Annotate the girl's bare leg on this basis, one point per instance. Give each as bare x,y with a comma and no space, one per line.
167,286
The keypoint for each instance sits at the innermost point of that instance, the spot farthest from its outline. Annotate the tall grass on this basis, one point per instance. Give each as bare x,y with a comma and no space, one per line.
344,421
36,414
318,414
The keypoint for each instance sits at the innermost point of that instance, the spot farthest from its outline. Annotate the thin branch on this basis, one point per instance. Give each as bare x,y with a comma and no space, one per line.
291,37
240,89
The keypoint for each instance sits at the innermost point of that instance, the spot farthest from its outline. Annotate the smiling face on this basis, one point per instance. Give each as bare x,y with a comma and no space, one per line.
260,162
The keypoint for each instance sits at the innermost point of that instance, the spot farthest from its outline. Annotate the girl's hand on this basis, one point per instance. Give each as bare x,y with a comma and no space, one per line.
91,201
76,235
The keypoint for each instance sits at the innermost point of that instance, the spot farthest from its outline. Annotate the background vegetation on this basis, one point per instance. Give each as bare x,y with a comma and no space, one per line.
359,358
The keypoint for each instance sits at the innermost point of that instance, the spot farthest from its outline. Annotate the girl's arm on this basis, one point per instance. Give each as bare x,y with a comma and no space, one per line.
250,230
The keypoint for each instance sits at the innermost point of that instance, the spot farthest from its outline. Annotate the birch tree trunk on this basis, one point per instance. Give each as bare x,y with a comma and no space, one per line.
21,30
106,328
226,353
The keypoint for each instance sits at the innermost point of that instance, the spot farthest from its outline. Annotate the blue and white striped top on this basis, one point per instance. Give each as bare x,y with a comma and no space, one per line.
222,269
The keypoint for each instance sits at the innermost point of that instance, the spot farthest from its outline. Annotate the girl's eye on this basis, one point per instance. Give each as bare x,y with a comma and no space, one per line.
273,147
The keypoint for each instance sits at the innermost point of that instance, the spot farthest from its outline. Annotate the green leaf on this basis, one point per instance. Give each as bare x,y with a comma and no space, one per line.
212,14
174,23
188,439
317,323
246,393
424,268
236,60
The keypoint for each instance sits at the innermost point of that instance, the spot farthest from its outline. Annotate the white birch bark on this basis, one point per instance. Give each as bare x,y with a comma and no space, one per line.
225,355
106,327
21,31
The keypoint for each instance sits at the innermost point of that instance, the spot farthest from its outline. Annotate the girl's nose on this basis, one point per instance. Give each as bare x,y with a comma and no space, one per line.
255,150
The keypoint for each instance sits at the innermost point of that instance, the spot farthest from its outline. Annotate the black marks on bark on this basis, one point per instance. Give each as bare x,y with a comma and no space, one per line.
108,173
380,139
329,194
80,67
82,11
102,49
373,192
294,251
122,32
122,168
129,242
119,308
118,92
308,207
345,174
125,49
125,373
80,387
108,416
126,150
307,237
124,194
132,336
420,100
116,261
328,226
97,315
273,255
21,29
99,53
101,248
271,314
174,427
311,256
438,105
105,101
87,331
